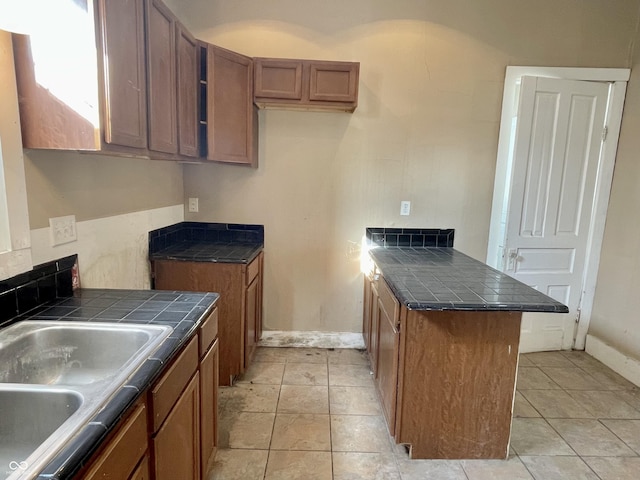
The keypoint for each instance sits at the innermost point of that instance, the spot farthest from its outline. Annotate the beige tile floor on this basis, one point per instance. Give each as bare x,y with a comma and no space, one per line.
301,413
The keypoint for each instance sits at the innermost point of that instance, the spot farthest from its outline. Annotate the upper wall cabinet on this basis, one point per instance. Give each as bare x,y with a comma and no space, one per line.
82,80
161,70
172,71
306,84
228,112
121,68
187,51
94,81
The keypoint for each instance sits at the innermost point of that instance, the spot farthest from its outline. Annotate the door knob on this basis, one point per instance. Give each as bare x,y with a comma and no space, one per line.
512,258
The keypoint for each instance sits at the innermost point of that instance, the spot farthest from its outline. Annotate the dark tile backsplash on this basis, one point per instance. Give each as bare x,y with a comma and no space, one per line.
207,232
410,237
29,290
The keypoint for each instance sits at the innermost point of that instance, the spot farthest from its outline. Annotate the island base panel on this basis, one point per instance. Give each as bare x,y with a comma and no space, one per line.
457,378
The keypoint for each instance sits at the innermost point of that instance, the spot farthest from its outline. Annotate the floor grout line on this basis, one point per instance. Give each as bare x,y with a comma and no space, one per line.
395,456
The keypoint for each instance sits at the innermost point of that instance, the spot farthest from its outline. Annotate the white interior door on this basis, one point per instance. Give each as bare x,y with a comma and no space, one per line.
559,135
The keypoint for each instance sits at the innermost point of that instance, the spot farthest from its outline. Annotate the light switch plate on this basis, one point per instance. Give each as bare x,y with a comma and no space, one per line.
63,230
405,207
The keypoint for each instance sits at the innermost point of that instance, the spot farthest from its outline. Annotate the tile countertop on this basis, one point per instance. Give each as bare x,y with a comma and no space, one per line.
434,278
207,242
209,252
181,310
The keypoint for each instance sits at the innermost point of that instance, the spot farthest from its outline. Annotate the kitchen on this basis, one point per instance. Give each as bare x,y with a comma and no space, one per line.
425,130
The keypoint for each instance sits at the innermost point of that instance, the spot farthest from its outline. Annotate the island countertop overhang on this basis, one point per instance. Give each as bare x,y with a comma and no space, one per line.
442,278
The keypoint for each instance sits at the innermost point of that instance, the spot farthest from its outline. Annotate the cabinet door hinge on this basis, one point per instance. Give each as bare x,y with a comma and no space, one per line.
605,132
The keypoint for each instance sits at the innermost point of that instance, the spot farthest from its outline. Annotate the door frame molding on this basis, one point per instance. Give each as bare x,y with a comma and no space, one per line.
618,78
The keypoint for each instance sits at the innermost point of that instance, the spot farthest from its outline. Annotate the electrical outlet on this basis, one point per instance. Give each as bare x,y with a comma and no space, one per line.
63,230
193,204
405,207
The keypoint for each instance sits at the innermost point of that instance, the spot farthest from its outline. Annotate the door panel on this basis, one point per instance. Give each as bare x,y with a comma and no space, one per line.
538,167
251,317
545,260
122,62
388,347
187,78
232,119
556,157
161,58
177,443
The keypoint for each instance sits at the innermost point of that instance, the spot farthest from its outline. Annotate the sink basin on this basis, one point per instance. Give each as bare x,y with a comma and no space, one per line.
70,353
29,417
55,376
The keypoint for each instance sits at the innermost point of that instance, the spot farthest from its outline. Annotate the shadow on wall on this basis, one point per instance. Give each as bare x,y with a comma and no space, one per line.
508,26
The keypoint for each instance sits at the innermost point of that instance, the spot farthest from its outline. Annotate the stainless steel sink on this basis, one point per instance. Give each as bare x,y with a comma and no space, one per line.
69,353
55,376
29,418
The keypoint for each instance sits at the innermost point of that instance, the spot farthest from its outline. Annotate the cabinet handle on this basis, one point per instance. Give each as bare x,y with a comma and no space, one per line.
376,277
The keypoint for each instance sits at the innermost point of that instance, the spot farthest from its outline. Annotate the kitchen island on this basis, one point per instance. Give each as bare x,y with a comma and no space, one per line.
442,331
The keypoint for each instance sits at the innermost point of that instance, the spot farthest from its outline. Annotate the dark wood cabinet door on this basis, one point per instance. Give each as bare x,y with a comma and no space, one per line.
278,78
375,332
231,116
123,72
260,298
366,314
188,83
388,313
387,372
251,321
122,454
177,443
161,68
208,407
333,82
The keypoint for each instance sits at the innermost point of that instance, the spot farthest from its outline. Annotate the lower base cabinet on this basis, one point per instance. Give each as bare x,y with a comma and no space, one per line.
176,446
208,407
387,370
172,431
174,401
445,379
371,320
240,304
124,456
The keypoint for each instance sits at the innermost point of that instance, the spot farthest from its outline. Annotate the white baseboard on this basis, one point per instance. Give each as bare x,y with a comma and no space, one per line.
622,364
276,338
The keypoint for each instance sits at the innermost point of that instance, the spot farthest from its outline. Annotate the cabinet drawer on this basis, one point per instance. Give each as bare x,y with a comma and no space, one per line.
253,269
165,393
389,303
124,451
208,332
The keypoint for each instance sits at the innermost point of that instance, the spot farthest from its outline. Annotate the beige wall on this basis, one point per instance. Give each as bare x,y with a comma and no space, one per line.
96,186
426,128
616,318
116,202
